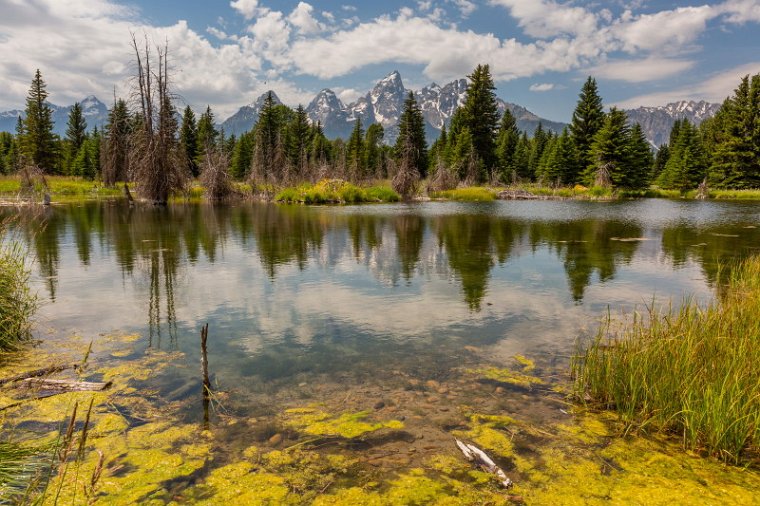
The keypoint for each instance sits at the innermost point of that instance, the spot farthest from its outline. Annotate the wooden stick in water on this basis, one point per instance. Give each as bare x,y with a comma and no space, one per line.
204,361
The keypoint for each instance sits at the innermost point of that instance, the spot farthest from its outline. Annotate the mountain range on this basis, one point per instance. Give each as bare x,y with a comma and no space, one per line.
94,111
384,104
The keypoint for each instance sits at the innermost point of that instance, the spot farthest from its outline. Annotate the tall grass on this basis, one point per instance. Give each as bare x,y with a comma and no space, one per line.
695,371
467,194
336,191
17,303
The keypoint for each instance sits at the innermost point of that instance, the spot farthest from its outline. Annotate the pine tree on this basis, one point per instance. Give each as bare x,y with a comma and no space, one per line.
506,145
559,160
540,140
522,159
609,151
687,164
736,156
588,118
242,156
411,140
76,131
188,141
355,152
640,160
299,140
38,143
264,169
207,135
481,116
320,150
660,159
115,164
373,141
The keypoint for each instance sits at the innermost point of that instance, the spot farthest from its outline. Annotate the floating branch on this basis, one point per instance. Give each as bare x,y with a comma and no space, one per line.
479,457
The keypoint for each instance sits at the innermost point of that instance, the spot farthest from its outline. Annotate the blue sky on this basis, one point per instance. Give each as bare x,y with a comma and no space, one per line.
226,53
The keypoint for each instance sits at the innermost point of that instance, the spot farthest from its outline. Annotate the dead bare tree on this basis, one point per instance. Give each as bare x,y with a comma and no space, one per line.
154,150
407,177
215,176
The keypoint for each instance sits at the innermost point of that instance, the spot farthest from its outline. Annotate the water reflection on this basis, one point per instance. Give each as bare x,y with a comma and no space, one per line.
337,281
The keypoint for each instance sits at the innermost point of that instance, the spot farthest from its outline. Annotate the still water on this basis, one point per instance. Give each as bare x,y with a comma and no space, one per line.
294,292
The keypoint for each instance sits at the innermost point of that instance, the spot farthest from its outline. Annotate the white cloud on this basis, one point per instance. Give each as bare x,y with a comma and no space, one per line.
348,95
248,8
647,69
271,37
713,89
547,18
538,87
663,31
466,7
304,21
741,11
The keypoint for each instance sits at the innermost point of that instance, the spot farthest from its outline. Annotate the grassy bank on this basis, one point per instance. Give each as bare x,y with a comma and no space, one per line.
61,186
17,303
336,191
693,372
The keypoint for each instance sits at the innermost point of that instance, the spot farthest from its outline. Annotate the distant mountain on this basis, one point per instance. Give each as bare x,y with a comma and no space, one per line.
658,121
248,115
384,105
95,113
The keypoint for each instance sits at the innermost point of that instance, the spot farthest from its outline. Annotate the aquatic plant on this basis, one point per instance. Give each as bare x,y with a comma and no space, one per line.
315,422
692,371
17,302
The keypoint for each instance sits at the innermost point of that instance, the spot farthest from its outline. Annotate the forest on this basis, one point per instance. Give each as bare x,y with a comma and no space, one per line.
479,146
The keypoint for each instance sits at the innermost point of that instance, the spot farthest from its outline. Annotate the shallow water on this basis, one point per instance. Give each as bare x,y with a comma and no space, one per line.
386,308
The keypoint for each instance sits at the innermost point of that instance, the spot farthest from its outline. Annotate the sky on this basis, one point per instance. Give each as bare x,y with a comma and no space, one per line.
226,53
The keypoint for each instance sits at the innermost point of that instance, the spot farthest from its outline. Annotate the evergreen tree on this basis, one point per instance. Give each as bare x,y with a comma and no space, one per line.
373,141
736,156
299,141
609,149
320,151
188,141
506,145
242,156
660,159
76,131
267,143
439,150
687,165
84,164
522,159
355,152
481,116
411,140
540,140
207,136
38,143
558,162
588,118
640,160
115,165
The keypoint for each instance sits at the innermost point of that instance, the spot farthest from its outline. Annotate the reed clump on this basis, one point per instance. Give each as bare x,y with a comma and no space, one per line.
17,302
693,372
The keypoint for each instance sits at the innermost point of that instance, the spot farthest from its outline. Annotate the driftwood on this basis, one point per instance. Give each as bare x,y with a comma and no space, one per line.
36,373
479,457
65,385
517,195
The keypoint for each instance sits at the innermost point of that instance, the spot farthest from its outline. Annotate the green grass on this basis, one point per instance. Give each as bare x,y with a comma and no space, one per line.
336,191
62,186
735,194
17,303
693,372
468,194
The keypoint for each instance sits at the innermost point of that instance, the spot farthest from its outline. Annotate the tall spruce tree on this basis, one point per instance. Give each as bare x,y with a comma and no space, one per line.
355,151
609,150
481,116
640,160
38,142
736,155
588,118
506,145
264,169
188,140
298,142
687,164
411,140
76,133
115,165
207,135
373,141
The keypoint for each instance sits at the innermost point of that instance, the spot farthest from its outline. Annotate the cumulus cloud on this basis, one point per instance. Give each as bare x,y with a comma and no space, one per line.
248,8
547,18
303,19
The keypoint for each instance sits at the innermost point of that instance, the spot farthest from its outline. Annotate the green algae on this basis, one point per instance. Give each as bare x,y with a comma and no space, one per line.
508,376
315,422
527,364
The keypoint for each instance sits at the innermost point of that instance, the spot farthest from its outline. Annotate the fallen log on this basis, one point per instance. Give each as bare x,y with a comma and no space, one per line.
36,373
479,457
65,385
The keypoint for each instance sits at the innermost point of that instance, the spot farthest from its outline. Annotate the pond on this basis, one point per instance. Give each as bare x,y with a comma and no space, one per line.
402,312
